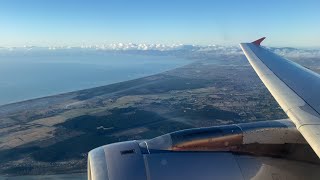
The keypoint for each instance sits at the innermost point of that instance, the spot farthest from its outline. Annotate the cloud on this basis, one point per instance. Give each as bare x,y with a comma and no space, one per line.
165,49
296,53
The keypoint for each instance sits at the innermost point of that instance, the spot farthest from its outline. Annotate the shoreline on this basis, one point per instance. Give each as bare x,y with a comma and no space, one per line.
89,88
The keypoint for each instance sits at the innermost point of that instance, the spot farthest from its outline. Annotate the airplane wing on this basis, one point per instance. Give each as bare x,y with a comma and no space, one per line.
294,87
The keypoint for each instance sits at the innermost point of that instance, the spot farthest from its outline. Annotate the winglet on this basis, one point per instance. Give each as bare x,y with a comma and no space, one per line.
258,42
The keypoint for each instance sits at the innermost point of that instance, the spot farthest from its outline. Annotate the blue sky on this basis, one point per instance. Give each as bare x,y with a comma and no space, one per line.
77,22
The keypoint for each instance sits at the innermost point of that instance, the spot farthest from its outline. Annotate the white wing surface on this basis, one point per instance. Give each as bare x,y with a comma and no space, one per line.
295,88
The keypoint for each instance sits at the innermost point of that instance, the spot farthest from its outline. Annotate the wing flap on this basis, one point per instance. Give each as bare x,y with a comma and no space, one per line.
294,87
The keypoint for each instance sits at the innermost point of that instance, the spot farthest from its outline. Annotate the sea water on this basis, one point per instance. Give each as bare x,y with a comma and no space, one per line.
27,75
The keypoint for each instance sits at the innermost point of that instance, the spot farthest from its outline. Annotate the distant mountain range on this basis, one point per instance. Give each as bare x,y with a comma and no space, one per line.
163,49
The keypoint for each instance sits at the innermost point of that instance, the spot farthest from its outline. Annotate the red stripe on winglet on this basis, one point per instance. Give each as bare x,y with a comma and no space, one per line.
258,42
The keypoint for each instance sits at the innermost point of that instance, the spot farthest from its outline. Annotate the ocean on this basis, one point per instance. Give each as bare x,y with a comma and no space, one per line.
28,75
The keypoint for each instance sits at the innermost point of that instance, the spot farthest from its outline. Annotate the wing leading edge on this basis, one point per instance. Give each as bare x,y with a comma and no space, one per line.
294,87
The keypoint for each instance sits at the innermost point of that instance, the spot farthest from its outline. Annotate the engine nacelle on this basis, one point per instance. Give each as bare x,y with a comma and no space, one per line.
206,153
